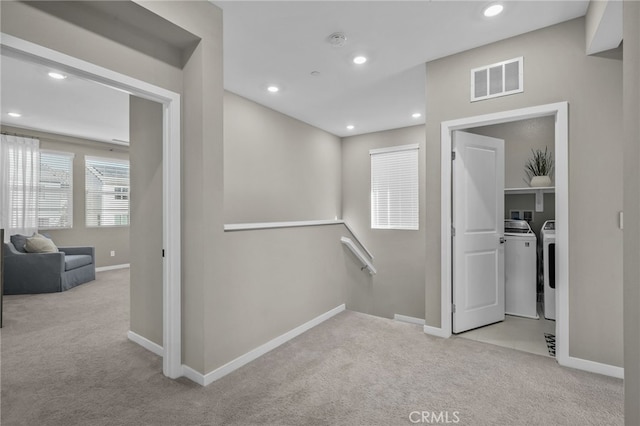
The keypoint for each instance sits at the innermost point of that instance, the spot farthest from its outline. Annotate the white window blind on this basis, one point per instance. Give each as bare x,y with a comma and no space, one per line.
55,191
19,177
107,191
394,187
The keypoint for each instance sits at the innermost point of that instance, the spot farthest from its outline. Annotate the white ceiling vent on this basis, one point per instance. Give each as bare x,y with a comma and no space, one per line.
501,79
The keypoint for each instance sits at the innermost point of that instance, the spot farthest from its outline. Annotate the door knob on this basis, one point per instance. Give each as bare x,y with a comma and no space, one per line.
501,240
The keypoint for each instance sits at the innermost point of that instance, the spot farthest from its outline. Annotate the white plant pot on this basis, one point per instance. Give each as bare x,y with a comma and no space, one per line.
539,181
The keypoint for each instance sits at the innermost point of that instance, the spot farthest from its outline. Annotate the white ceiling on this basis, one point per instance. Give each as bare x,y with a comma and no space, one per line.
281,43
72,107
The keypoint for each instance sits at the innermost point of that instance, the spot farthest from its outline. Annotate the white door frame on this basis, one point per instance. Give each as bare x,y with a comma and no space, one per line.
560,111
171,283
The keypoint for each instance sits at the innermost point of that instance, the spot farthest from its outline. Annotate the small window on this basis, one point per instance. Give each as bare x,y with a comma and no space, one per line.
121,193
107,191
55,190
394,188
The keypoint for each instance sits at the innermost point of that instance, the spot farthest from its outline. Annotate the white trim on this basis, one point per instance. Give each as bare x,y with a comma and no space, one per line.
207,379
356,251
410,320
13,46
435,331
145,343
595,367
561,112
112,267
271,225
231,227
520,89
394,149
346,225
193,375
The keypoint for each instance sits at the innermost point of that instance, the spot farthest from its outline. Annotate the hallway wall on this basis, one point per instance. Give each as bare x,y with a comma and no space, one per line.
556,69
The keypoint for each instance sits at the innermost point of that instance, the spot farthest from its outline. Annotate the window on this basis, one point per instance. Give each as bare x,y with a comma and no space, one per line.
121,193
107,191
19,179
394,187
55,190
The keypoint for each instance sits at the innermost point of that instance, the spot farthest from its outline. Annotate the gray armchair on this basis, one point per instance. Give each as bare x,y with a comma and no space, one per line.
27,273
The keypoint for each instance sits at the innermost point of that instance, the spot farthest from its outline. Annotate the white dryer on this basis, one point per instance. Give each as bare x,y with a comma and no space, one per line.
548,236
520,255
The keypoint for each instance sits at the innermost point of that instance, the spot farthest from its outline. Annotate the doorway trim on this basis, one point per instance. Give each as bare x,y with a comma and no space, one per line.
171,181
560,111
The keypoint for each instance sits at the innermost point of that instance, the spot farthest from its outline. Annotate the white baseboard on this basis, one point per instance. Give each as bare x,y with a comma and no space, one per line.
146,343
435,331
594,367
411,320
112,267
206,379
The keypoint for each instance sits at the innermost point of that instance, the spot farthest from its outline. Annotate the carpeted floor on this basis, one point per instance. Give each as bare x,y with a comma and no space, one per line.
66,361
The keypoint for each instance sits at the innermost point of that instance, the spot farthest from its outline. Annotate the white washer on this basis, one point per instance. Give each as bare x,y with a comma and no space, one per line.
520,254
548,236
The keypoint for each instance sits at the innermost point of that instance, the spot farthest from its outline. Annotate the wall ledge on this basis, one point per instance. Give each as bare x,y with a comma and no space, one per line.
271,225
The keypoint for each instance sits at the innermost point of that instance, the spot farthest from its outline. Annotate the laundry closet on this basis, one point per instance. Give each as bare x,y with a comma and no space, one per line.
529,241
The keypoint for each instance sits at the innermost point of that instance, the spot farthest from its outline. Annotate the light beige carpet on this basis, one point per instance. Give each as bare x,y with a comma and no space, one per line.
66,361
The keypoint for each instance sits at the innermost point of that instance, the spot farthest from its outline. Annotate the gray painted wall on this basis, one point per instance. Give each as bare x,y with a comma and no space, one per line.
145,134
555,69
277,168
520,137
103,239
278,279
631,114
398,288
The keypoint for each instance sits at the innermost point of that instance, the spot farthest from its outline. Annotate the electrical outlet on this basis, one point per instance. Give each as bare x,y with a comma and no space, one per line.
113,253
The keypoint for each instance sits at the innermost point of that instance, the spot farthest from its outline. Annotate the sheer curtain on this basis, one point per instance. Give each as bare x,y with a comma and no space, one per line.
19,179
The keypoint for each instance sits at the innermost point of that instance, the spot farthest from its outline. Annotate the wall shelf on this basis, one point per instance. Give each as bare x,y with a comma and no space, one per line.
537,191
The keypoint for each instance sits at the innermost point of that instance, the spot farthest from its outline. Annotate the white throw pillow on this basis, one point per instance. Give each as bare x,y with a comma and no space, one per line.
40,244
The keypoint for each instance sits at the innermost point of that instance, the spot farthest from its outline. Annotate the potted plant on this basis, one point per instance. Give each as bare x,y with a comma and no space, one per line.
539,168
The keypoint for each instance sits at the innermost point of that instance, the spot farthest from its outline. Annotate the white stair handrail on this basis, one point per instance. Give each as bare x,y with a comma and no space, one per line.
358,253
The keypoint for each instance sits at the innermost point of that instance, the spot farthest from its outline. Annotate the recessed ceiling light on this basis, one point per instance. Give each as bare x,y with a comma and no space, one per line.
493,10
57,75
273,89
359,60
350,127
416,115
14,114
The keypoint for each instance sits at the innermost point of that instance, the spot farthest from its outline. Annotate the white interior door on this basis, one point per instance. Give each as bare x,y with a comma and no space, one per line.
478,235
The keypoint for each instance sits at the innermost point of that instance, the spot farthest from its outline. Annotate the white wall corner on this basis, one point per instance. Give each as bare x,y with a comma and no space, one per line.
193,375
438,332
146,343
218,373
